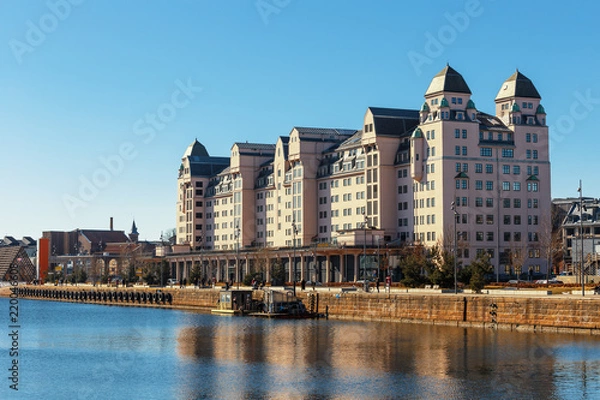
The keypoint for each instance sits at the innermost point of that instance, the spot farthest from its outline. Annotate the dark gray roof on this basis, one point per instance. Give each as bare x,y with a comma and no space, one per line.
207,166
10,241
351,142
491,123
394,121
448,80
255,146
325,131
518,85
195,149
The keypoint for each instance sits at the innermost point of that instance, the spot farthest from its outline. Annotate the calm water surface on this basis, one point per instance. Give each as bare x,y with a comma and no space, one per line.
81,351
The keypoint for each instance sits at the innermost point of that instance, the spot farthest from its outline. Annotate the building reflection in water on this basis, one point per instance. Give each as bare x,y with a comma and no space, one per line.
246,357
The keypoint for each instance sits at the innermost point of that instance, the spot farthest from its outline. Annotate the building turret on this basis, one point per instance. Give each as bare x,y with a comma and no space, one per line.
540,114
417,142
516,100
471,110
134,235
424,113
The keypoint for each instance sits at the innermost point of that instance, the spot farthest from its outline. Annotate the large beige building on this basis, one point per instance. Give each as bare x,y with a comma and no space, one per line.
323,197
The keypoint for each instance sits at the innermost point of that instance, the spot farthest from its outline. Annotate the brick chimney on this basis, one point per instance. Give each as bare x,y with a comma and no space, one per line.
111,223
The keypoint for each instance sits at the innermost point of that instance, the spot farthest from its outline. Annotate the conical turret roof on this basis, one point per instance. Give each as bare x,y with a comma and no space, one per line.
448,80
518,85
195,149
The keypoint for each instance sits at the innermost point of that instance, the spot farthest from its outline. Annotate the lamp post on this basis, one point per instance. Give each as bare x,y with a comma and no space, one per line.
294,232
365,253
453,208
237,255
581,235
378,261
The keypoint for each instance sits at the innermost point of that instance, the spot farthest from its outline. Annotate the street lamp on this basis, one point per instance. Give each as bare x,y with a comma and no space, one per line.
294,232
237,255
581,235
453,208
365,252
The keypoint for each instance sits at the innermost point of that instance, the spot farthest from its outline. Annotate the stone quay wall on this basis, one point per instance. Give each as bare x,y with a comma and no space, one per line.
530,313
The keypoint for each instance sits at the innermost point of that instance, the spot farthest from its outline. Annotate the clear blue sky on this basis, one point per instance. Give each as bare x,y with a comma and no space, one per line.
78,83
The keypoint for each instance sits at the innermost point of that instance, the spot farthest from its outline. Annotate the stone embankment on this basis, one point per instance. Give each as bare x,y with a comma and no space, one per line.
531,313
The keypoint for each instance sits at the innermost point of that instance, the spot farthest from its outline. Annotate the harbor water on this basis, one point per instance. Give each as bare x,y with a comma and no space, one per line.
88,351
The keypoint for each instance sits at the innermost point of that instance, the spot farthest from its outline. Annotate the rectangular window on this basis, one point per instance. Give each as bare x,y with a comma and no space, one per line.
478,185
457,150
485,152
507,236
506,186
507,220
479,168
489,236
528,137
489,185
528,154
516,170
489,202
464,133
516,186
479,219
479,236
508,153
464,151
535,138
457,133
489,219
489,168
506,169
506,203
535,154
516,203
478,201
517,220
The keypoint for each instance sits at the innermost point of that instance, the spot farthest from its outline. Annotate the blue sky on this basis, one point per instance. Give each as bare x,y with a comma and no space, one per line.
81,79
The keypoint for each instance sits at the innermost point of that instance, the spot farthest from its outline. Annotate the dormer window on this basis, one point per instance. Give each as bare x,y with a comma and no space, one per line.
459,115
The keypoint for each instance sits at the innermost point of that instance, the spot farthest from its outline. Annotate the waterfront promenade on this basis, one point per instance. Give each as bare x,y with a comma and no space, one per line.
524,309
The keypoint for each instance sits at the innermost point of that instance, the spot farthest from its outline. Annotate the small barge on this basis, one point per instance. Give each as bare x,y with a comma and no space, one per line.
263,303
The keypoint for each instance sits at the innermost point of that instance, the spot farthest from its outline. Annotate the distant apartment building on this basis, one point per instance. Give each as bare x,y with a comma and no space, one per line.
579,234
407,176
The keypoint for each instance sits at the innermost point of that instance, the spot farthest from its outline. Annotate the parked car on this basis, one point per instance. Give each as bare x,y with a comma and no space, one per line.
171,282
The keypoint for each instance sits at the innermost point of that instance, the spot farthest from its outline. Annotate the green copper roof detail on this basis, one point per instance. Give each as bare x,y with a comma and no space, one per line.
418,133
515,108
444,103
425,107
540,110
471,104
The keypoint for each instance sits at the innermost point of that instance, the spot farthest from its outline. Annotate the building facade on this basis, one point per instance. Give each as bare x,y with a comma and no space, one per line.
579,236
445,174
